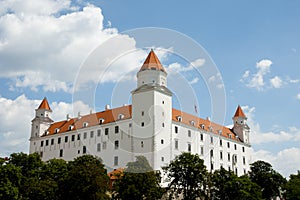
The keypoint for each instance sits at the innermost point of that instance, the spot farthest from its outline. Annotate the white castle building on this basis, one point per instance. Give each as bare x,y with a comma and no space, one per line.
149,127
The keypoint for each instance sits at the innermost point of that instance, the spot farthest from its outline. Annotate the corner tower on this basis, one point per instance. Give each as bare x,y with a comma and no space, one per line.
240,126
42,119
152,113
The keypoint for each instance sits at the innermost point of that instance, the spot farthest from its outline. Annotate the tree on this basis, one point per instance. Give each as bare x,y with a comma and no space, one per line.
139,181
10,182
86,179
293,187
267,178
188,176
228,186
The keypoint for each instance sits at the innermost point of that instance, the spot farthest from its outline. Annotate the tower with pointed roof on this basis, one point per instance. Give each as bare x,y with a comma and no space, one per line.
240,127
152,111
42,120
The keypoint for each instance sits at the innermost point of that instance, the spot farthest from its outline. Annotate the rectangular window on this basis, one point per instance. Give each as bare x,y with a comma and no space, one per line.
116,144
116,129
189,133
142,144
162,141
211,153
78,136
52,141
221,155
201,137
142,124
61,153
106,131
98,132
243,149
176,144
92,134
42,143
244,160
162,159
234,146
212,166
189,147
84,149
211,140
99,147
66,138
47,142
228,155
58,140
228,144
143,113
202,151
104,145
220,142
84,135
116,161
176,129
130,125
73,138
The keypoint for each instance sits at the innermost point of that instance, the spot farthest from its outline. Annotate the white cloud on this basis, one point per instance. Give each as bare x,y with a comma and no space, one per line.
177,67
283,161
40,48
298,96
195,80
276,82
246,74
257,81
16,115
216,80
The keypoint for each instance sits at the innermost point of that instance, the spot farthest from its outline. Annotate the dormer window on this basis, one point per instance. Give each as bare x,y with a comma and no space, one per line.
179,118
120,116
230,136
210,129
220,132
101,121
85,124
192,122
56,130
70,127
202,126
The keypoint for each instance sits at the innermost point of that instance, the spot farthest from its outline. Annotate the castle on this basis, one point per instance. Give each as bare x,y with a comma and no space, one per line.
149,127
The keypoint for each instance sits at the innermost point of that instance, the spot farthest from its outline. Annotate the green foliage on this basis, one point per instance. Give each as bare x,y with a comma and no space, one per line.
188,177
138,182
267,178
293,187
10,181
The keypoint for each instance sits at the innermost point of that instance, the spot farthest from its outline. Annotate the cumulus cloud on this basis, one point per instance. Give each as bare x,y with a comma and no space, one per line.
216,80
257,80
276,82
177,67
298,96
43,43
16,115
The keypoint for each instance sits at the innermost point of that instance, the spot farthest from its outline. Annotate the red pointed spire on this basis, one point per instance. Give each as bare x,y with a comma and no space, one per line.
239,112
152,63
44,105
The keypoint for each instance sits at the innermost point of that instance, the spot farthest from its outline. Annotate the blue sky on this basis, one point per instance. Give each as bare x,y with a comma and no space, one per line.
254,45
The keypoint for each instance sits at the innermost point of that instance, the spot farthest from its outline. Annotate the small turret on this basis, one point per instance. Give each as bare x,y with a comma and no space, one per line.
42,119
240,127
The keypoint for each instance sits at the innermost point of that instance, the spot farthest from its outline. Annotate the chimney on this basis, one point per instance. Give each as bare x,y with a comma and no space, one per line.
107,107
79,115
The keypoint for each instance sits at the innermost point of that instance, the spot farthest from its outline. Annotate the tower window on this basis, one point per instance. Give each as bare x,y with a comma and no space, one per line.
116,160
162,141
176,129
106,131
84,149
176,144
189,147
61,153
116,129
143,113
116,144
142,124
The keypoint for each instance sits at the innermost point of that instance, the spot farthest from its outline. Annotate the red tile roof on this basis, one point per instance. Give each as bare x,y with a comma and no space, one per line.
112,115
239,112
44,105
152,63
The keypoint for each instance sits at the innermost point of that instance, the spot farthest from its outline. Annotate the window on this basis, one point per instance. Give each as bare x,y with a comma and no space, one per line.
106,131
220,142
228,155
85,124
201,151
228,144
56,130
130,125
243,149
176,129
211,140
116,161
234,146
163,124
70,127
84,135
192,123
120,116
47,142
92,134
98,132
179,118
66,138
142,144
221,155
101,120
189,133
162,141
229,168
104,145
143,113
211,153
176,144
163,102
244,160
142,124
236,171
116,144
84,149
78,136
61,153
116,129
99,147
212,166
58,140
189,147
52,141
42,143
162,159
73,138
201,137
